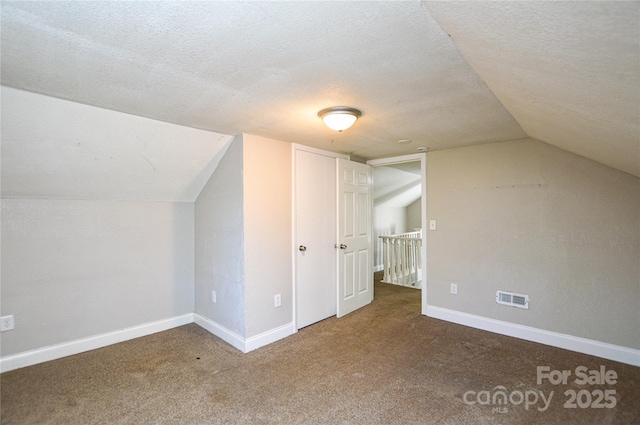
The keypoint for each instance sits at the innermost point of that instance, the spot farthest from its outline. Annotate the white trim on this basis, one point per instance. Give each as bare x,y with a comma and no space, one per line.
53,352
425,248
396,159
568,342
294,237
378,268
299,147
220,331
266,338
422,157
242,344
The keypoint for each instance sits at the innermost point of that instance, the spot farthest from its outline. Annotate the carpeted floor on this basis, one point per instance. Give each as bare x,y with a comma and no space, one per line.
384,364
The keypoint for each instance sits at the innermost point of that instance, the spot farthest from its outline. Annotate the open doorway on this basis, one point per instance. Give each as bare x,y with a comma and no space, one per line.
399,220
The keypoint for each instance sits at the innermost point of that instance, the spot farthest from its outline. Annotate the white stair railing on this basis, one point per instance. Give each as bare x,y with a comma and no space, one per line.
402,259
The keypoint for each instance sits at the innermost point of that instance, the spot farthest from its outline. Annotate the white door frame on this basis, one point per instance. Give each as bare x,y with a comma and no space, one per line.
294,236
422,157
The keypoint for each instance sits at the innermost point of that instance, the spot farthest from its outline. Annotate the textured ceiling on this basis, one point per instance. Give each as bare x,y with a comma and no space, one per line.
565,73
264,68
53,149
397,185
569,72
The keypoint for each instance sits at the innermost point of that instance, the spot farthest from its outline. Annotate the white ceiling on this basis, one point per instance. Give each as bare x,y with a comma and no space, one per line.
566,74
569,72
264,68
100,154
397,185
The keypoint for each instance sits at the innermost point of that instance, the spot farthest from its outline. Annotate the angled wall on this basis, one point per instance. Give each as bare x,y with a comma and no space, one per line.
56,149
97,225
243,245
219,244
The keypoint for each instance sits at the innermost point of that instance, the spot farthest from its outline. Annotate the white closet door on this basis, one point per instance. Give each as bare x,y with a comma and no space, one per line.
315,211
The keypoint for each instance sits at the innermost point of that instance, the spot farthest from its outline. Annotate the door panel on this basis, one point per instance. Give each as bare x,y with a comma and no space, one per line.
355,274
363,207
349,287
348,202
316,231
364,271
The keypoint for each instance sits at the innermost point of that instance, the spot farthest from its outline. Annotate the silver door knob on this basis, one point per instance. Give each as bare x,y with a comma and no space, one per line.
343,246
302,248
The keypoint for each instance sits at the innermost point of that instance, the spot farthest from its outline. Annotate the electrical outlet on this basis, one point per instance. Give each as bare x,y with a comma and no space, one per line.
277,300
433,225
454,288
214,298
6,323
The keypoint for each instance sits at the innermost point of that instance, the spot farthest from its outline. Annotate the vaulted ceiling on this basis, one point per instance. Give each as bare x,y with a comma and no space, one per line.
397,185
568,72
440,74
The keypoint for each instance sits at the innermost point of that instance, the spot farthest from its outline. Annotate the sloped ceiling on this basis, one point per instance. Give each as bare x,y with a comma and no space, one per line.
565,73
54,149
264,68
569,72
397,185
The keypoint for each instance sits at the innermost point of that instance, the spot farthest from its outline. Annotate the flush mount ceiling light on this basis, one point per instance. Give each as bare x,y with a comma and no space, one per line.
339,118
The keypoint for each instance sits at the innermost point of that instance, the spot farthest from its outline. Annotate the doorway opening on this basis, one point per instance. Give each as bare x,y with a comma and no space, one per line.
399,220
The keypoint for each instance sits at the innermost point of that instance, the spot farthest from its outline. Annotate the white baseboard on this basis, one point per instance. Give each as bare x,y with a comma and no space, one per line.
378,268
53,352
244,344
220,331
269,336
568,342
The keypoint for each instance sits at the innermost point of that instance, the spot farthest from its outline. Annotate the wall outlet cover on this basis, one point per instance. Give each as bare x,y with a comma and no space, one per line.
7,323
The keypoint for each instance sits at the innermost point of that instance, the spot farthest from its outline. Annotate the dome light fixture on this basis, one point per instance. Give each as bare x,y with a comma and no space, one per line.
339,118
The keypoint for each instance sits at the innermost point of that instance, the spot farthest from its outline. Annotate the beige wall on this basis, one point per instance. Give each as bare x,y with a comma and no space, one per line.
530,218
74,269
414,215
267,233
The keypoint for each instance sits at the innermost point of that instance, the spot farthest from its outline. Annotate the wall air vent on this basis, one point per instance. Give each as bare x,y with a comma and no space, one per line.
514,300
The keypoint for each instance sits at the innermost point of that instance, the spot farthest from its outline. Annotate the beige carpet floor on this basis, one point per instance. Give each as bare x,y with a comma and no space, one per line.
384,364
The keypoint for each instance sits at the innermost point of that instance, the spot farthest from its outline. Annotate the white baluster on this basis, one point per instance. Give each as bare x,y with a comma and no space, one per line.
402,260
